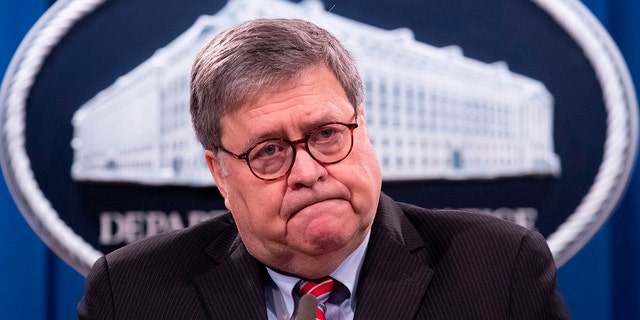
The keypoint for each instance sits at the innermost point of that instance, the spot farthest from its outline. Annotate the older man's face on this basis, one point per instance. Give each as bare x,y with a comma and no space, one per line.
316,210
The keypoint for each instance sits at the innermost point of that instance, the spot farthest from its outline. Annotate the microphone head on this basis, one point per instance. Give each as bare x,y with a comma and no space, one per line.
307,307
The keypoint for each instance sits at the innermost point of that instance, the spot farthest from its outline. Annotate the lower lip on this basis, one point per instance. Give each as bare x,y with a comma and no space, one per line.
321,206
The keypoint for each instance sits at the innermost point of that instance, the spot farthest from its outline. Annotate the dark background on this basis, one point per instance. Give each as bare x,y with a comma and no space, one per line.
600,282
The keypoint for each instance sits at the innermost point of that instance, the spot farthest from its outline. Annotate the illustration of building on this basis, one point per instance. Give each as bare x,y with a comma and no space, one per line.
432,113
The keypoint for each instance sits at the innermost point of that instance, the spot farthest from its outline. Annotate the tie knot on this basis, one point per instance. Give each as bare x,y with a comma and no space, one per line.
320,288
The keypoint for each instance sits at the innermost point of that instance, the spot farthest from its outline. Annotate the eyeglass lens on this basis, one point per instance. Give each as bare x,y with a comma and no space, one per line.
327,144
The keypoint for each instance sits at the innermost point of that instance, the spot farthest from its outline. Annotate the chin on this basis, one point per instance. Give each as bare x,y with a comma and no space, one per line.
329,242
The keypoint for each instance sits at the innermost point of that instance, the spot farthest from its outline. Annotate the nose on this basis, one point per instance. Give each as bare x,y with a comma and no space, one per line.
305,171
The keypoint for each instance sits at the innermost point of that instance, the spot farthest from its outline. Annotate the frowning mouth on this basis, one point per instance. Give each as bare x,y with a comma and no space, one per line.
316,206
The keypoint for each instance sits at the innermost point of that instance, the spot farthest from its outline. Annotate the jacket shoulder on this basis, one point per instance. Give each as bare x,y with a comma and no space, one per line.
451,222
175,249
474,237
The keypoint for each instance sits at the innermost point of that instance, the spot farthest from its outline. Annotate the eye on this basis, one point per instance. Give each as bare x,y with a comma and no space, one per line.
269,149
325,134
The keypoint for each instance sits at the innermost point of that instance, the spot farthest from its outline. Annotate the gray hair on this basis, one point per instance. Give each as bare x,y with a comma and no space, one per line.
238,62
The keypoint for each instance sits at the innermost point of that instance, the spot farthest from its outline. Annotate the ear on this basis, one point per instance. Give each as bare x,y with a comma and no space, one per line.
216,172
361,111
362,121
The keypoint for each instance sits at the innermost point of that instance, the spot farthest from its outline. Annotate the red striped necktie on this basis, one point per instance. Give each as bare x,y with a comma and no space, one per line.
321,289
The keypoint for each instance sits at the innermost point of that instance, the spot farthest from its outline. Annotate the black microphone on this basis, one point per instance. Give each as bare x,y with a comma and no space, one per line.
307,307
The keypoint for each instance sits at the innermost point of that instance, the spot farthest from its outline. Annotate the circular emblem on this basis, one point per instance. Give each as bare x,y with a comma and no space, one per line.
521,109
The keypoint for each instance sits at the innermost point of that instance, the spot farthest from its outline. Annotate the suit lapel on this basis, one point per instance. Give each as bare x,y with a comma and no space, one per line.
232,288
395,275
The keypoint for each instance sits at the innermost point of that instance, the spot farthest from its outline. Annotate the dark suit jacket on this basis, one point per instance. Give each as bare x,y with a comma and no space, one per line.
420,264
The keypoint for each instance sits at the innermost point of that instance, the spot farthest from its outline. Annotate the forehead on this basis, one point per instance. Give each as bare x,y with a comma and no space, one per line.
311,98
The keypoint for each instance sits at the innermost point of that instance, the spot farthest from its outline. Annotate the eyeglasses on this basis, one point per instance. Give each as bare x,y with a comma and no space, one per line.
273,158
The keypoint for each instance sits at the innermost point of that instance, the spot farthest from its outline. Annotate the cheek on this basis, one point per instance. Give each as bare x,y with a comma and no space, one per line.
366,180
365,161
255,206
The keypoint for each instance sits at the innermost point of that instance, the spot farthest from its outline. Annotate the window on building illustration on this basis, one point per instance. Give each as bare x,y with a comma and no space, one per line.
410,108
396,121
384,121
382,103
399,162
396,105
422,109
457,159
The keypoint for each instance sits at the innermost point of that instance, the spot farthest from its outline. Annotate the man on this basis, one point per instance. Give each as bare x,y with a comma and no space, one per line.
277,104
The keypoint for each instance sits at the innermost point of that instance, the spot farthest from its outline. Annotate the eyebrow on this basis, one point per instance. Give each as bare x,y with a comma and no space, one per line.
271,134
280,133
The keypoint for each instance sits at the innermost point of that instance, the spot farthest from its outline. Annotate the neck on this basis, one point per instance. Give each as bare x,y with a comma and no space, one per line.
302,265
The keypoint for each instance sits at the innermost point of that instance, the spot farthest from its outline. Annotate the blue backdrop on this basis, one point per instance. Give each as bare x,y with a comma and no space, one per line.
601,282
